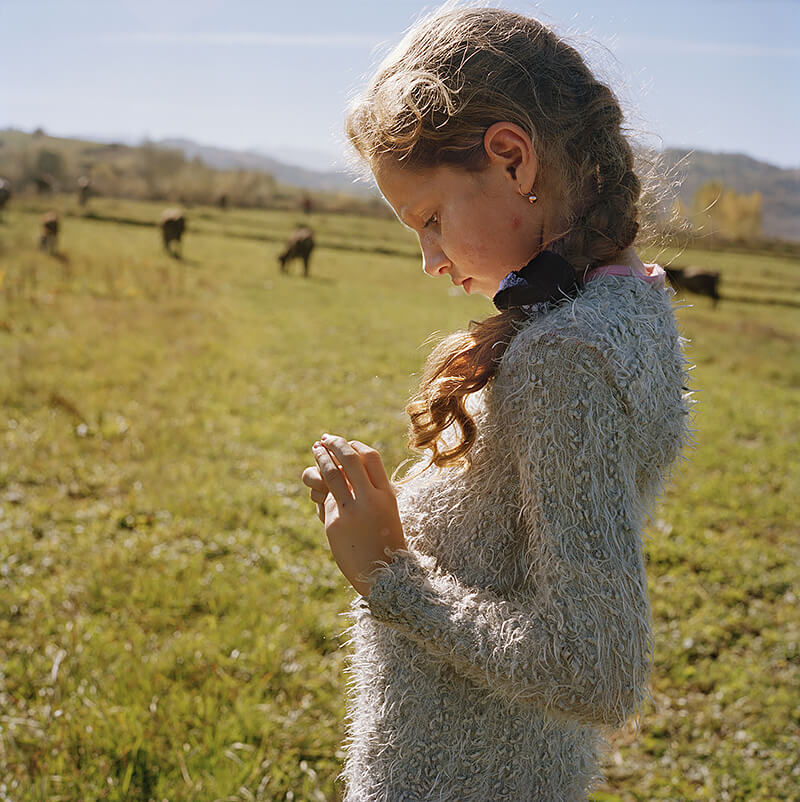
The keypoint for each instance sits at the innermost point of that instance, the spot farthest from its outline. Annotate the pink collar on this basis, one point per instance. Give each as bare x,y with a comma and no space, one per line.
654,274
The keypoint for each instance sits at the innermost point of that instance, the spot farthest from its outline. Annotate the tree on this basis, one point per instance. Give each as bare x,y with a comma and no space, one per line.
49,162
718,210
156,166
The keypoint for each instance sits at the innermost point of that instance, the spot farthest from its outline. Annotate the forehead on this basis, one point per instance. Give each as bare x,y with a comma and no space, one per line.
409,191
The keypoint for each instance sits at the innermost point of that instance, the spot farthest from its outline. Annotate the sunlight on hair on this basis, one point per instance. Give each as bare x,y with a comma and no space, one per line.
457,71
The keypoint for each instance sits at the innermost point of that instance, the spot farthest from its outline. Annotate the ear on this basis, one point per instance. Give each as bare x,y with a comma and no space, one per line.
509,147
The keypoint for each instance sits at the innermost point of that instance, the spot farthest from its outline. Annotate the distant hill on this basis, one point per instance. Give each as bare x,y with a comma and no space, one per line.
293,175
780,187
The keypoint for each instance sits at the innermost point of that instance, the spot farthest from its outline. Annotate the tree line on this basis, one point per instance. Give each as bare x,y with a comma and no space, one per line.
148,172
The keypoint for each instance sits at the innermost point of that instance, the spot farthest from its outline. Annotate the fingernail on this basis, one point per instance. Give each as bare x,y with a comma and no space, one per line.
325,436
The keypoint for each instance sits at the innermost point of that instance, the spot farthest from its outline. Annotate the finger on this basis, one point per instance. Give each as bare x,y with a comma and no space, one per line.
350,461
339,466
321,512
318,496
373,464
313,479
330,508
333,476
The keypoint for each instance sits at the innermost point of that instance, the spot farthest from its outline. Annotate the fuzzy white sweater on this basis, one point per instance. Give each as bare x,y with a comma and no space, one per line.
493,655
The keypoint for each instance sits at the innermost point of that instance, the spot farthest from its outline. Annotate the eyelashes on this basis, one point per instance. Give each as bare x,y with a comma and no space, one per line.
432,220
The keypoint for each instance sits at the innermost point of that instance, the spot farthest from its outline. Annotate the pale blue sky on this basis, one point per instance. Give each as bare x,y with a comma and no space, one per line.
275,75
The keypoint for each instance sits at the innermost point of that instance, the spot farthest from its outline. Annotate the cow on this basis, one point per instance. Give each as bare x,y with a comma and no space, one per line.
702,282
84,189
48,240
5,192
299,246
172,224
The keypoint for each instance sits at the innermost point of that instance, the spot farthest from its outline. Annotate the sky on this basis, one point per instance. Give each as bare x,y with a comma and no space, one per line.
276,75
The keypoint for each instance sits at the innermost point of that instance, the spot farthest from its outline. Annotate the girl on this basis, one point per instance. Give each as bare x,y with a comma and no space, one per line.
503,622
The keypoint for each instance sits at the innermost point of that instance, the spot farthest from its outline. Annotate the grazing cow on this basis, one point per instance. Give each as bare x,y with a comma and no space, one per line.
5,192
702,282
48,241
84,189
172,225
299,246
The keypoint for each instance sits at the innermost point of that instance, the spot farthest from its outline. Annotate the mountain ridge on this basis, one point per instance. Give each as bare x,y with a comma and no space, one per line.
295,175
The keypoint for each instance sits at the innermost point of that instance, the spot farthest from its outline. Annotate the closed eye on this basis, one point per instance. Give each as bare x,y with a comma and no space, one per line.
432,220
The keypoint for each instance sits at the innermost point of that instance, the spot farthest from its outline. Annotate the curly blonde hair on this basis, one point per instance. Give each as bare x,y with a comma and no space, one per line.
456,72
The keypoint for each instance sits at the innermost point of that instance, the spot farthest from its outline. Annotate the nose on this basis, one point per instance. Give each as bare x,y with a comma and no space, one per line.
434,261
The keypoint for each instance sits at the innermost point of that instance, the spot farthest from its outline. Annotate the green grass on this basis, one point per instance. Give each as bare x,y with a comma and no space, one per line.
171,624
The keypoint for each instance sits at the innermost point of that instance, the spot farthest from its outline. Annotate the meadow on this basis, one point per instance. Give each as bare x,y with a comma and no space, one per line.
171,620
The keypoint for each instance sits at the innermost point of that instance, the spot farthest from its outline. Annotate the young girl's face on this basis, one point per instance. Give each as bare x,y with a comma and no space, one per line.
474,227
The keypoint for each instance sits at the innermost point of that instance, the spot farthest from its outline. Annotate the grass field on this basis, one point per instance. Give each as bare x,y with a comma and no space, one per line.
170,616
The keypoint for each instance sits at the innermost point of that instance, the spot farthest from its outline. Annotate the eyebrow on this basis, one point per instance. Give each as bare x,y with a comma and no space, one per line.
403,219
398,214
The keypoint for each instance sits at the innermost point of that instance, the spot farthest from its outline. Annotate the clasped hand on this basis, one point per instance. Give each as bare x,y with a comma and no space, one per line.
356,501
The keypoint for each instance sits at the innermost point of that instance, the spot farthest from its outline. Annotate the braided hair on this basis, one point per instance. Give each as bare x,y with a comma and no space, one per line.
457,72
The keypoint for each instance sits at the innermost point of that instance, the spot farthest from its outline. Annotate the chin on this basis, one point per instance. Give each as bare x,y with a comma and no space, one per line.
487,293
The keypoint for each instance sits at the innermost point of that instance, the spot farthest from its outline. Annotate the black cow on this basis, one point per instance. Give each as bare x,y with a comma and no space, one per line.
5,192
172,224
48,240
692,279
299,246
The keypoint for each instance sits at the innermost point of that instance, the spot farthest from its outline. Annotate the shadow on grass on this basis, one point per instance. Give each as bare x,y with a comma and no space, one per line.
108,218
311,279
265,237
182,260
744,299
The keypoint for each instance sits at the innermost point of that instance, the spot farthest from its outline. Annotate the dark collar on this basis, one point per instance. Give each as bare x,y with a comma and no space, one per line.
547,278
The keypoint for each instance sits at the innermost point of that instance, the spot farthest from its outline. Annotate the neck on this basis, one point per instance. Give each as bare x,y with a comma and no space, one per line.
628,258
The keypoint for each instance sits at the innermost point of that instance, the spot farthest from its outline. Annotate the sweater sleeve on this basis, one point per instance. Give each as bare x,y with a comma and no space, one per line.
575,640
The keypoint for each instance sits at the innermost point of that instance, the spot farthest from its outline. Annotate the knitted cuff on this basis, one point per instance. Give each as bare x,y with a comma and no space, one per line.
397,587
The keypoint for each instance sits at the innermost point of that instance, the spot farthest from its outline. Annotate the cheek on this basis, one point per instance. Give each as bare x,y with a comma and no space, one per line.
516,222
